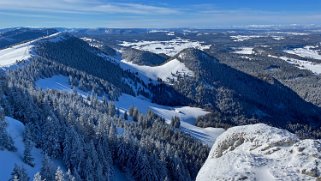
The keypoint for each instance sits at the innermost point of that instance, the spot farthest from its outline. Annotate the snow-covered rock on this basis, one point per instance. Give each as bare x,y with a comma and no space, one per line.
261,152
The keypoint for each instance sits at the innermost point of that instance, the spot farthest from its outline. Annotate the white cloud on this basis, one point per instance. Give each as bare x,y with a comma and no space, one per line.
81,6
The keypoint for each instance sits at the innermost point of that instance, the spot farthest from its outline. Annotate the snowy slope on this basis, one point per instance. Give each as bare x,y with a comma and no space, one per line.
7,159
260,152
10,56
58,82
17,53
166,71
170,48
187,114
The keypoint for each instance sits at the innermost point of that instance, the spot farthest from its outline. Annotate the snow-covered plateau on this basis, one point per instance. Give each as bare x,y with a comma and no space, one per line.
240,38
170,47
260,152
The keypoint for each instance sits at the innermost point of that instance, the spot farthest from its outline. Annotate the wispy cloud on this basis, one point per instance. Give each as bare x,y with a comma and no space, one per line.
81,6
102,13
29,15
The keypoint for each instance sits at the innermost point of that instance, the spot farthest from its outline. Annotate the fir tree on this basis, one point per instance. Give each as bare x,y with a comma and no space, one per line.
6,141
37,177
19,173
27,157
59,175
175,122
126,116
47,170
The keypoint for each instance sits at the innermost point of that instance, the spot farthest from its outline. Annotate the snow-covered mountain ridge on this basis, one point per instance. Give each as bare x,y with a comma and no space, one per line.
261,152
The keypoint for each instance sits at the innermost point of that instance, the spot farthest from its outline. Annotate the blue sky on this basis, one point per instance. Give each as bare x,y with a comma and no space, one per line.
157,14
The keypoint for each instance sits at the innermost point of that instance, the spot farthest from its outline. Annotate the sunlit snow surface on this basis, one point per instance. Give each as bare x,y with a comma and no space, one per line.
10,56
260,152
169,70
187,114
170,47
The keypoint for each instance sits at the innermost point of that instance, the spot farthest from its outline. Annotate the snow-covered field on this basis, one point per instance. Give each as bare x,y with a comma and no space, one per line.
187,114
244,51
170,48
260,152
166,71
313,67
239,38
306,52
277,37
8,159
244,37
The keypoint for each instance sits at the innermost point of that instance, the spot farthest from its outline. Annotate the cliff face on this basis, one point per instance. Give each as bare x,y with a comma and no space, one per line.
261,152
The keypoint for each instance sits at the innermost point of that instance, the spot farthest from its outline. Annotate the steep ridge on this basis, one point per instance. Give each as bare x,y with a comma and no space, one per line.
76,53
261,152
19,35
238,97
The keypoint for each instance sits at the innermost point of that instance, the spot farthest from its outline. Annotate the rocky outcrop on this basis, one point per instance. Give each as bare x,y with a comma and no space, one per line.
261,152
